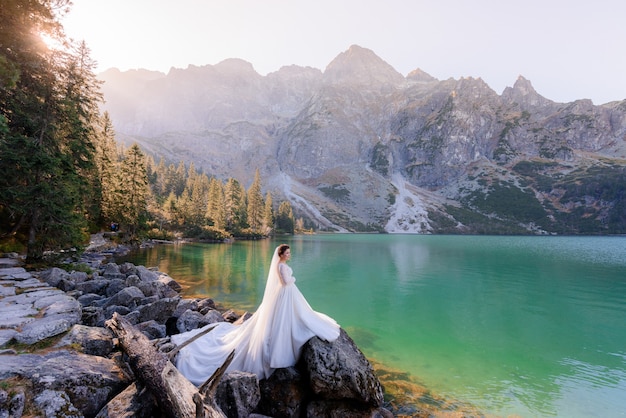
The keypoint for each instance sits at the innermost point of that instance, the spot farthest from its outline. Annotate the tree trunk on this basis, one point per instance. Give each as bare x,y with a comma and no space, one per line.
176,396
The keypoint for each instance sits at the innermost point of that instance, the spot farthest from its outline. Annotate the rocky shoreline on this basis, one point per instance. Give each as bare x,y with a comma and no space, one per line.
58,358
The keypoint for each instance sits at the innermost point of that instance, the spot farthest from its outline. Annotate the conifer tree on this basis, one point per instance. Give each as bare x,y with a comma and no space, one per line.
197,193
134,188
284,219
268,214
107,162
235,205
215,204
256,205
48,100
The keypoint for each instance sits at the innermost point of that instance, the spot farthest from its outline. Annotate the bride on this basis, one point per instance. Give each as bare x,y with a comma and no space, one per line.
270,339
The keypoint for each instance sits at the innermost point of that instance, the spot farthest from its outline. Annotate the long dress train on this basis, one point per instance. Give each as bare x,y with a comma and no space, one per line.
271,338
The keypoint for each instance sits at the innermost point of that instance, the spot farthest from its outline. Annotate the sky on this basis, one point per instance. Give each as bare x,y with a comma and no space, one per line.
568,49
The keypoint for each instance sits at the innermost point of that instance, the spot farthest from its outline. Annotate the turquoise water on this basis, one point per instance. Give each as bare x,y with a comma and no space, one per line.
527,326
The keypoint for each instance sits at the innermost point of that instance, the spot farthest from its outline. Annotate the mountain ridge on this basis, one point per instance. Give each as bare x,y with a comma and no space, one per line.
359,147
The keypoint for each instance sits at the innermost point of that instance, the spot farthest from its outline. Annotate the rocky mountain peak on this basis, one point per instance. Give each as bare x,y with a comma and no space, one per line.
420,76
524,94
360,65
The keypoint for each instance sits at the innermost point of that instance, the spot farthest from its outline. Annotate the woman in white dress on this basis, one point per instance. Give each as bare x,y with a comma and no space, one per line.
270,339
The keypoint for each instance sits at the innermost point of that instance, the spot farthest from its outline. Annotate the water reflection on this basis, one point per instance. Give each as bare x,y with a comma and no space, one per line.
516,325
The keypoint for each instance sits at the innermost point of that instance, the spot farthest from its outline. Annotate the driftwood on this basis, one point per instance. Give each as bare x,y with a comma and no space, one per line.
176,396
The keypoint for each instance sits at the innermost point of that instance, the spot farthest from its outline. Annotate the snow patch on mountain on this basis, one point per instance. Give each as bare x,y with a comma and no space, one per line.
408,214
305,206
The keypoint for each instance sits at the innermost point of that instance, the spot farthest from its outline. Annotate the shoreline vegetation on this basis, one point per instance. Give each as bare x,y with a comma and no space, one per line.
404,395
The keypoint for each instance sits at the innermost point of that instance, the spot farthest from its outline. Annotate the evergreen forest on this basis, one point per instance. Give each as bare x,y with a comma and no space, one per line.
63,176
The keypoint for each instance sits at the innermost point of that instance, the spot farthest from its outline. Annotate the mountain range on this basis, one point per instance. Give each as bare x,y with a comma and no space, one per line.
359,147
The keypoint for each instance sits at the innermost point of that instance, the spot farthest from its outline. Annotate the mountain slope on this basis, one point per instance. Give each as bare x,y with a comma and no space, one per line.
359,147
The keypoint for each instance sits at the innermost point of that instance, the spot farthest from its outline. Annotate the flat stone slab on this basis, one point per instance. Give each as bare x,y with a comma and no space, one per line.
31,310
6,335
7,291
31,297
9,271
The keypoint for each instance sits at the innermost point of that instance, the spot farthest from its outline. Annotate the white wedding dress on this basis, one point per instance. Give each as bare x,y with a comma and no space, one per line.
270,339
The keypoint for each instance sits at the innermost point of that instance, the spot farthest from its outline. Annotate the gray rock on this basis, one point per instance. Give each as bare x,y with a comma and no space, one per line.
93,286
128,269
14,315
159,311
184,305
158,289
126,297
152,329
57,303
146,275
17,404
189,320
110,310
213,316
46,327
78,276
238,394
93,316
283,394
133,280
88,298
339,370
30,297
6,335
54,275
169,282
204,305
95,341
56,404
89,381
7,291
115,285
11,271
112,271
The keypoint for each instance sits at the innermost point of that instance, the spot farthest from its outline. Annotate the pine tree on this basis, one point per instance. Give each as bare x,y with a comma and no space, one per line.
235,205
256,205
268,214
107,162
284,219
134,188
215,211
48,101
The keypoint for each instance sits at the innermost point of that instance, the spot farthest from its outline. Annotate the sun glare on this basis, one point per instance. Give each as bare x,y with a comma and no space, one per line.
51,42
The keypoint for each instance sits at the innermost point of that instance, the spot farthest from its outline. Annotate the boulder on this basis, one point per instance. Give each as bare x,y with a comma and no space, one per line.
56,404
151,329
94,285
146,275
160,310
238,394
54,276
95,341
189,320
340,371
283,394
126,297
88,381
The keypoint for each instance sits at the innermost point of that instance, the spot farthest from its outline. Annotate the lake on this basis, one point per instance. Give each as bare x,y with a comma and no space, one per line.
514,325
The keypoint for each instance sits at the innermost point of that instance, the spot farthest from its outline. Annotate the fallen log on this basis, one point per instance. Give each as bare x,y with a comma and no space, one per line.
176,396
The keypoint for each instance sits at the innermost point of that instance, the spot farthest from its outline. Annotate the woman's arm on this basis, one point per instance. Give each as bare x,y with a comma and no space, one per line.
284,272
